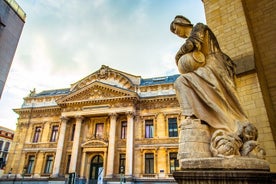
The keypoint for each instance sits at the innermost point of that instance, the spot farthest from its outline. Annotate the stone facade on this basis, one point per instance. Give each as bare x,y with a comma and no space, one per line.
245,31
108,119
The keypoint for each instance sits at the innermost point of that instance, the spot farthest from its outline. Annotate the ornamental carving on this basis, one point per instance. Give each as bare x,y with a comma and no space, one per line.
95,92
94,144
105,75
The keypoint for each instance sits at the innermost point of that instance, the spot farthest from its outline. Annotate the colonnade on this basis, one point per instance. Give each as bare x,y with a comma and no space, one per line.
111,145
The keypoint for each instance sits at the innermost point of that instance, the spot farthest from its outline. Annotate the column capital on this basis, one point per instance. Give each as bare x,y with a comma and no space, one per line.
64,118
113,115
130,114
78,117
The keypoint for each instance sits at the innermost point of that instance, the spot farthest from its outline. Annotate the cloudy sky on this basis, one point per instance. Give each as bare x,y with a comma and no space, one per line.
65,40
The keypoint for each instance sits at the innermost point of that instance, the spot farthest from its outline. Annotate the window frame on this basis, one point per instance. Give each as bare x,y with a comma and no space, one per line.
149,163
122,162
172,125
49,164
98,126
30,162
123,129
173,162
54,133
149,128
37,134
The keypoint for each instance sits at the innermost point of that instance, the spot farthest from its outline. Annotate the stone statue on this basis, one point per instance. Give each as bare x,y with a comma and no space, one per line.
206,91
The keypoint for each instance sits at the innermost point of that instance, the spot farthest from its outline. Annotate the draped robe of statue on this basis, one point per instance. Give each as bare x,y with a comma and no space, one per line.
208,92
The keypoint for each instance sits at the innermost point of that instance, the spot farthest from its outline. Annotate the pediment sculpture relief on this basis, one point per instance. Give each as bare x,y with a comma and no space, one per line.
96,91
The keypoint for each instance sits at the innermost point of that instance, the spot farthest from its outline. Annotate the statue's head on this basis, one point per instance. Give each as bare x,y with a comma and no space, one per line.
180,23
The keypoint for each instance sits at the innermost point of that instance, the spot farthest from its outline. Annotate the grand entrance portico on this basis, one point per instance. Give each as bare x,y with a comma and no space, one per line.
93,111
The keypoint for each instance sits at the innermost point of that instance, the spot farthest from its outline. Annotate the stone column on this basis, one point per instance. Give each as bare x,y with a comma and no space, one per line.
111,146
129,145
75,148
83,165
59,147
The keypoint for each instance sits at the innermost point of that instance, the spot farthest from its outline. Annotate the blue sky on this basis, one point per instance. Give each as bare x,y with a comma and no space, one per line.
64,41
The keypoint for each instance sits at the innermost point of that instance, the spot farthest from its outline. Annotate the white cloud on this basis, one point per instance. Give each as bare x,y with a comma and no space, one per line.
63,41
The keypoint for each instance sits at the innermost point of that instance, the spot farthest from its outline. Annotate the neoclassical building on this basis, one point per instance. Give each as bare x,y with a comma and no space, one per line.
109,124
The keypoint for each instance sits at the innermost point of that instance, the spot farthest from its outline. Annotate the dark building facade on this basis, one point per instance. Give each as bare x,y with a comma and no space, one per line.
12,19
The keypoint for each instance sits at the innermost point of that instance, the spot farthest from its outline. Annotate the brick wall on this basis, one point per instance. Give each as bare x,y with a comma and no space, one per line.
232,22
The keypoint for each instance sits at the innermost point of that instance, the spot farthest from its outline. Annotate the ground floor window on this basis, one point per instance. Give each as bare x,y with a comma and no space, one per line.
149,163
30,165
174,164
49,164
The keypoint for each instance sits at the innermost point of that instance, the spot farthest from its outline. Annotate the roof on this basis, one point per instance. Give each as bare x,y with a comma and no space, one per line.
144,82
159,80
53,92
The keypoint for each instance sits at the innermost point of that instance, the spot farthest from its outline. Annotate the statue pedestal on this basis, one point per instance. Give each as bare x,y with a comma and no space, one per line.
214,170
194,140
199,167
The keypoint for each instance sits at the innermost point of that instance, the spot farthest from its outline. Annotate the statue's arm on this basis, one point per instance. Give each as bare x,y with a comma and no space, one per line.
187,47
194,42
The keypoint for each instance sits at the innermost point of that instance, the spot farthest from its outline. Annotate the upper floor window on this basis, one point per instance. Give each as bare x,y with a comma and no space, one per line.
37,134
7,146
149,163
30,165
174,164
99,129
124,130
49,164
1,145
149,129
172,124
54,134
73,132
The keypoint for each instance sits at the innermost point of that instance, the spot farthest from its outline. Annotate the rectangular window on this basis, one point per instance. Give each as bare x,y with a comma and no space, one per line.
174,164
68,163
1,145
122,163
172,124
48,165
149,163
149,128
54,134
36,134
7,146
99,129
30,166
73,132
124,130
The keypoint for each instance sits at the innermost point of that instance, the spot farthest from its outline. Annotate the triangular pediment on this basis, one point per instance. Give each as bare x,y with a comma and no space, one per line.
97,91
109,76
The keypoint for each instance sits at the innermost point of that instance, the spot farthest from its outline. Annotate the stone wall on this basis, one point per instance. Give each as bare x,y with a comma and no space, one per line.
244,32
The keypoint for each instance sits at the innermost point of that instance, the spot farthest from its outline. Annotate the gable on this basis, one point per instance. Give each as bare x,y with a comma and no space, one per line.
108,76
97,91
